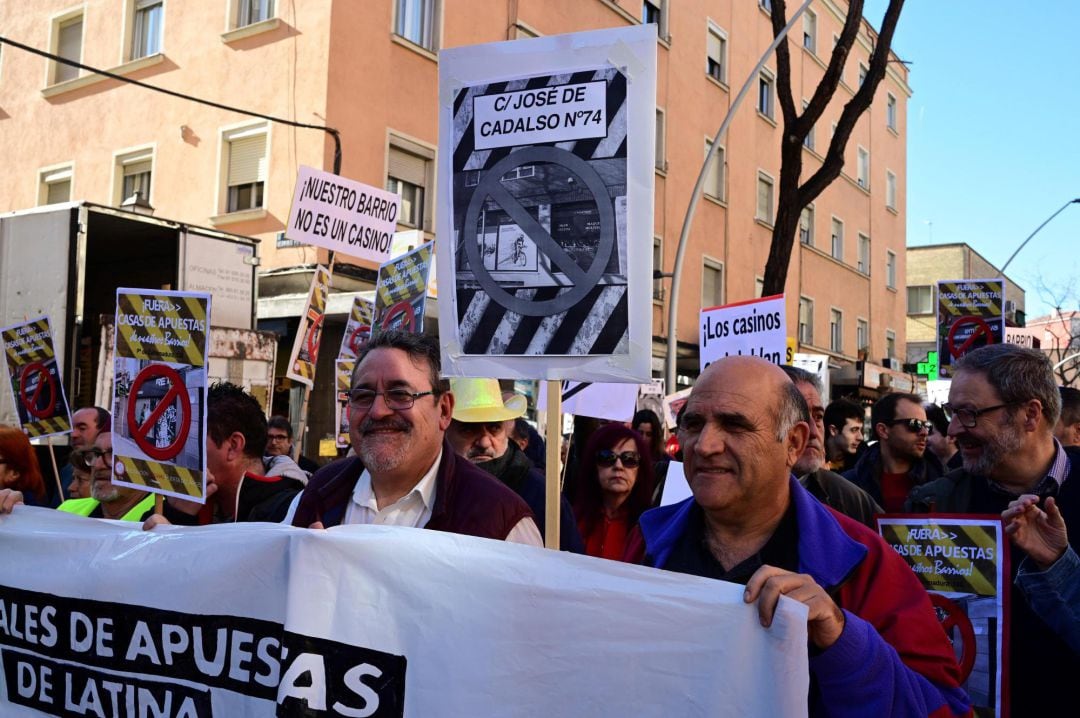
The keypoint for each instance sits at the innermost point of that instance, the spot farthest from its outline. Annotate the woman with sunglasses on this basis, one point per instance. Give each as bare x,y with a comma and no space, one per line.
614,488
19,469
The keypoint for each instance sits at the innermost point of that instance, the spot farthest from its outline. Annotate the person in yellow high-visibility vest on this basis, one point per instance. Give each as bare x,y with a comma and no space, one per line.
108,500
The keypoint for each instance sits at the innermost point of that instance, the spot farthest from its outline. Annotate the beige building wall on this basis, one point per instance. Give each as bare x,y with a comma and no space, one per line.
930,264
342,63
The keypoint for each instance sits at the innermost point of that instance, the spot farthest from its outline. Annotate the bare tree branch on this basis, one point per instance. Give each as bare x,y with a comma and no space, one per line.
793,196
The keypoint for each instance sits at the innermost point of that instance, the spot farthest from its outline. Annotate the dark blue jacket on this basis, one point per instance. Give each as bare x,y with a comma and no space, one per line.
866,474
887,615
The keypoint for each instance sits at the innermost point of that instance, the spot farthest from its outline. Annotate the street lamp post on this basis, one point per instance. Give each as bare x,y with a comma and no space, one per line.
684,235
1024,243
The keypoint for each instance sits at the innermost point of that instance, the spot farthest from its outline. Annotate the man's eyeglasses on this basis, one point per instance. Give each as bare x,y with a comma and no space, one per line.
606,458
968,417
277,437
913,425
396,399
93,454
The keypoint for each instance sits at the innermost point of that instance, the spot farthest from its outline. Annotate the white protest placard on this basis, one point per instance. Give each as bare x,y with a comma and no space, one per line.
673,404
35,378
756,327
401,291
818,365
962,563
342,215
358,328
161,346
305,349
254,619
676,486
600,400
545,213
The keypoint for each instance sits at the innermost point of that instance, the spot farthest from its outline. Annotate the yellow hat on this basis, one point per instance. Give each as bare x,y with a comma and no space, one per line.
480,400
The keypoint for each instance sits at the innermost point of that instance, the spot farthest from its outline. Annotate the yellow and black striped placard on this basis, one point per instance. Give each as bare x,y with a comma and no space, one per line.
162,327
971,298
344,375
308,334
949,557
29,342
403,278
47,427
160,477
31,358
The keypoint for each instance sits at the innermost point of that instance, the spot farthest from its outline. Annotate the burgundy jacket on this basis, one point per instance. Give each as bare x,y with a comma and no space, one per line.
468,500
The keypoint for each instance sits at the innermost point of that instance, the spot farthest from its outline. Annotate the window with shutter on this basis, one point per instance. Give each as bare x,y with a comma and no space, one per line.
247,171
407,176
69,47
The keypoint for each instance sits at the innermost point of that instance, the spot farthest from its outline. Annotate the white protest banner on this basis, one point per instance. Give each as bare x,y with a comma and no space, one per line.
970,315
342,215
305,350
962,564
756,327
599,400
401,291
358,328
35,378
159,391
545,213
255,619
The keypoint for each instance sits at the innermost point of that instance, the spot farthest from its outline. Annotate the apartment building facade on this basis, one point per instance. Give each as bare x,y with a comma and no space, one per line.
370,70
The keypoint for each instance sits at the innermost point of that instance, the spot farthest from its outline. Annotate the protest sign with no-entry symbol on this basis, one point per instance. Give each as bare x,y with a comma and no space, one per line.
970,315
34,378
159,391
546,188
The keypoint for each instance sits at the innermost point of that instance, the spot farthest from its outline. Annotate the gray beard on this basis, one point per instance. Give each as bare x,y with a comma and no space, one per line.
1009,441
381,456
806,466
112,494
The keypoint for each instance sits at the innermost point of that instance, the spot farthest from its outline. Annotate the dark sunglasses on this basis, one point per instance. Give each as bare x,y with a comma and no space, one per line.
607,458
913,425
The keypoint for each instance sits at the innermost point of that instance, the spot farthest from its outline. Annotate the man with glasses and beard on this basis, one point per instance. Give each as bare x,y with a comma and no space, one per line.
108,500
405,473
898,462
1003,406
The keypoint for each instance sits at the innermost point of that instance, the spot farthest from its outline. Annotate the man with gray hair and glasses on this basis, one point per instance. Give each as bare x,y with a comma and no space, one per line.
405,473
1003,406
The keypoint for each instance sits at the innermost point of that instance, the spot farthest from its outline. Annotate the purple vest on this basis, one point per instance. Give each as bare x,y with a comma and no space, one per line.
467,499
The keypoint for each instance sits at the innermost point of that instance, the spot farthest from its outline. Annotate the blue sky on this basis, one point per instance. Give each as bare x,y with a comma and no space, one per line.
994,132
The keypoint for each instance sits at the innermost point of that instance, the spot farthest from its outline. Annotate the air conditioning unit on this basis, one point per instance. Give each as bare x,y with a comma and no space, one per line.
891,363
1010,307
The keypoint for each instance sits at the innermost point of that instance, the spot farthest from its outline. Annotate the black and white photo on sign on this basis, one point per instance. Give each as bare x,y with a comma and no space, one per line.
540,175
546,173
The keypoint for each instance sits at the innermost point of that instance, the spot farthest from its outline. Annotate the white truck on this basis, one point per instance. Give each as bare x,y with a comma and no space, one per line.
67,261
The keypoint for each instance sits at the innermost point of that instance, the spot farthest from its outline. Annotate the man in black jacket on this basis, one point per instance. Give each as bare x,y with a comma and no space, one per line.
237,488
1003,405
480,431
828,487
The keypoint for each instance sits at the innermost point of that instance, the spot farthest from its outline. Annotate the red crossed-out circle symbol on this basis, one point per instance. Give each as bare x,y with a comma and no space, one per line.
359,338
140,432
982,329
314,337
952,616
31,401
406,310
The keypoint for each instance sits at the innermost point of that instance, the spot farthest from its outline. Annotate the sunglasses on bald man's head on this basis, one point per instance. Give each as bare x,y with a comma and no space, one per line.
606,458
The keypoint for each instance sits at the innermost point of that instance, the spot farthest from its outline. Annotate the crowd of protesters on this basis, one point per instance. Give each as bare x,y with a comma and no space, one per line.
784,495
